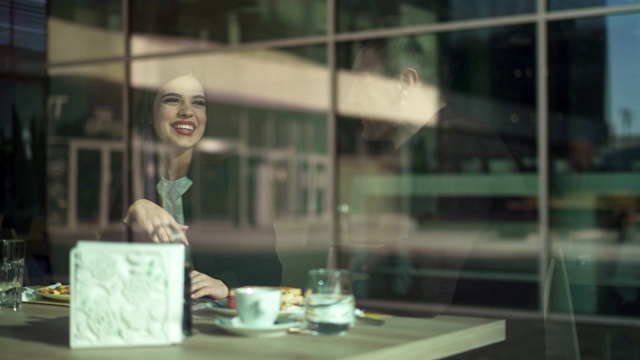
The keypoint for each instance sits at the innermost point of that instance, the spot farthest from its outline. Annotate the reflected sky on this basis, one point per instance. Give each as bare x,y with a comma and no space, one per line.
623,39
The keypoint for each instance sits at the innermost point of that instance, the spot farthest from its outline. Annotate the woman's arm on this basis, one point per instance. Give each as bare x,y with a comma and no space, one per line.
155,221
204,285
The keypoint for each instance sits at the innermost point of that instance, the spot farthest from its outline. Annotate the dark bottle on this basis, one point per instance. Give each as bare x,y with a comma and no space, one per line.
186,311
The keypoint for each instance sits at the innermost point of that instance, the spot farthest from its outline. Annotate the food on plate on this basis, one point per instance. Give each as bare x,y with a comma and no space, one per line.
58,290
291,298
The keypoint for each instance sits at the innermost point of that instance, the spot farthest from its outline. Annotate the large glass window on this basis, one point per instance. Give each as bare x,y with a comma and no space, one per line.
595,159
473,156
436,161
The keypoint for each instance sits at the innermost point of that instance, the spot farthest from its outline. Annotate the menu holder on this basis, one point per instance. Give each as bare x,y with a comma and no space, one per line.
126,294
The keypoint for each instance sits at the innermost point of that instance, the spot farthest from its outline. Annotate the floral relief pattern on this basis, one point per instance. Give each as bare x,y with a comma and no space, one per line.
128,295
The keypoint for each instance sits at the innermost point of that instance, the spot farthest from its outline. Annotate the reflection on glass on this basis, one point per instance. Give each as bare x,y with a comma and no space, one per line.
84,108
437,154
23,26
84,30
579,4
186,24
23,137
263,151
173,174
595,158
271,104
374,14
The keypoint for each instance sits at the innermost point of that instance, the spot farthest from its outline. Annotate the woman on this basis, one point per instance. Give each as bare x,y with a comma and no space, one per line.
169,139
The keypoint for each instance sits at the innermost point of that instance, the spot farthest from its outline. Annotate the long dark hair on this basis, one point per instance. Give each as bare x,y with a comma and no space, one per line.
144,133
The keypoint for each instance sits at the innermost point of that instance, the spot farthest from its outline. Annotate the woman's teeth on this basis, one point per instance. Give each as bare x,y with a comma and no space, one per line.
184,126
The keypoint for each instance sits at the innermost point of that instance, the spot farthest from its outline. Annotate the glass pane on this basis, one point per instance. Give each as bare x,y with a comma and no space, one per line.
195,24
578,4
82,30
85,151
266,117
595,160
23,84
22,165
23,26
354,15
437,167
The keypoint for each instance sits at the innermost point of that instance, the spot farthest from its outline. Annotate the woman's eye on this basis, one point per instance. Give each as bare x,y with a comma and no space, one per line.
171,100
199,103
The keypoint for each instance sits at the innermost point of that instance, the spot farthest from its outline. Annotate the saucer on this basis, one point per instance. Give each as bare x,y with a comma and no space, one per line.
235,326
221,307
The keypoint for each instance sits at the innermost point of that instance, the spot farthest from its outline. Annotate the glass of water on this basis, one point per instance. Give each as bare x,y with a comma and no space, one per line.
329,302
12,253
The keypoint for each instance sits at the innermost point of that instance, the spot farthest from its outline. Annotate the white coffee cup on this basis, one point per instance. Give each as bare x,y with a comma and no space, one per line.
258,306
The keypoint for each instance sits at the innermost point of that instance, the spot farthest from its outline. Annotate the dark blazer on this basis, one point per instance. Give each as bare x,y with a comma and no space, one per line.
220,249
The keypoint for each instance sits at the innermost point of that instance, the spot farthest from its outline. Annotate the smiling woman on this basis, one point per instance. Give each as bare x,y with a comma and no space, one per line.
168,139
168,126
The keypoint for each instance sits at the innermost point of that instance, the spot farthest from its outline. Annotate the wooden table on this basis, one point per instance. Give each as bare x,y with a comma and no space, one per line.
42,332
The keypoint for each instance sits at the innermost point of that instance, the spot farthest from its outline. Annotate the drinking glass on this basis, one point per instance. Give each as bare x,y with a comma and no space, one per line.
12,253
329,302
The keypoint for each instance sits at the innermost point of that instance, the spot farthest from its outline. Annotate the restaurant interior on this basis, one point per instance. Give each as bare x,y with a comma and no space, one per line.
519,198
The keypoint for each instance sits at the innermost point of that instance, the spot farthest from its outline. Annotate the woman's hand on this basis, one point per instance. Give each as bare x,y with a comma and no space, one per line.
205,285
156,221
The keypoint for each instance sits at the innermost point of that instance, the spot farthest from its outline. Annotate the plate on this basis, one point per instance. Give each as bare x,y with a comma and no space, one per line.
55,297
221,307
236,327
58,297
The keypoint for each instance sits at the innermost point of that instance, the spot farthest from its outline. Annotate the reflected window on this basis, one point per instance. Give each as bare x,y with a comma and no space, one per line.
185,24
86,146
354,15
437,159
595,159
95,27
23,25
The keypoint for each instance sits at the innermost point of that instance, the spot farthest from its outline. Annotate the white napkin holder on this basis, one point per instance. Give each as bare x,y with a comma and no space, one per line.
126,294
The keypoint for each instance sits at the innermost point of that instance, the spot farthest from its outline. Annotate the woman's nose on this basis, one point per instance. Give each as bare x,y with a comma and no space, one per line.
186,110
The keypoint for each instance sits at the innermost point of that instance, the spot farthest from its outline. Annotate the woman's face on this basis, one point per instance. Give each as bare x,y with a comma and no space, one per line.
180,115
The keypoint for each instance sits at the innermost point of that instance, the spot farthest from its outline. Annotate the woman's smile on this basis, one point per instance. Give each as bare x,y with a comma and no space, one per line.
185,128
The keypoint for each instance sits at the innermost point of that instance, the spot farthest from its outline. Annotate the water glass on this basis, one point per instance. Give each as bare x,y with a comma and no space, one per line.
12,254
329,302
